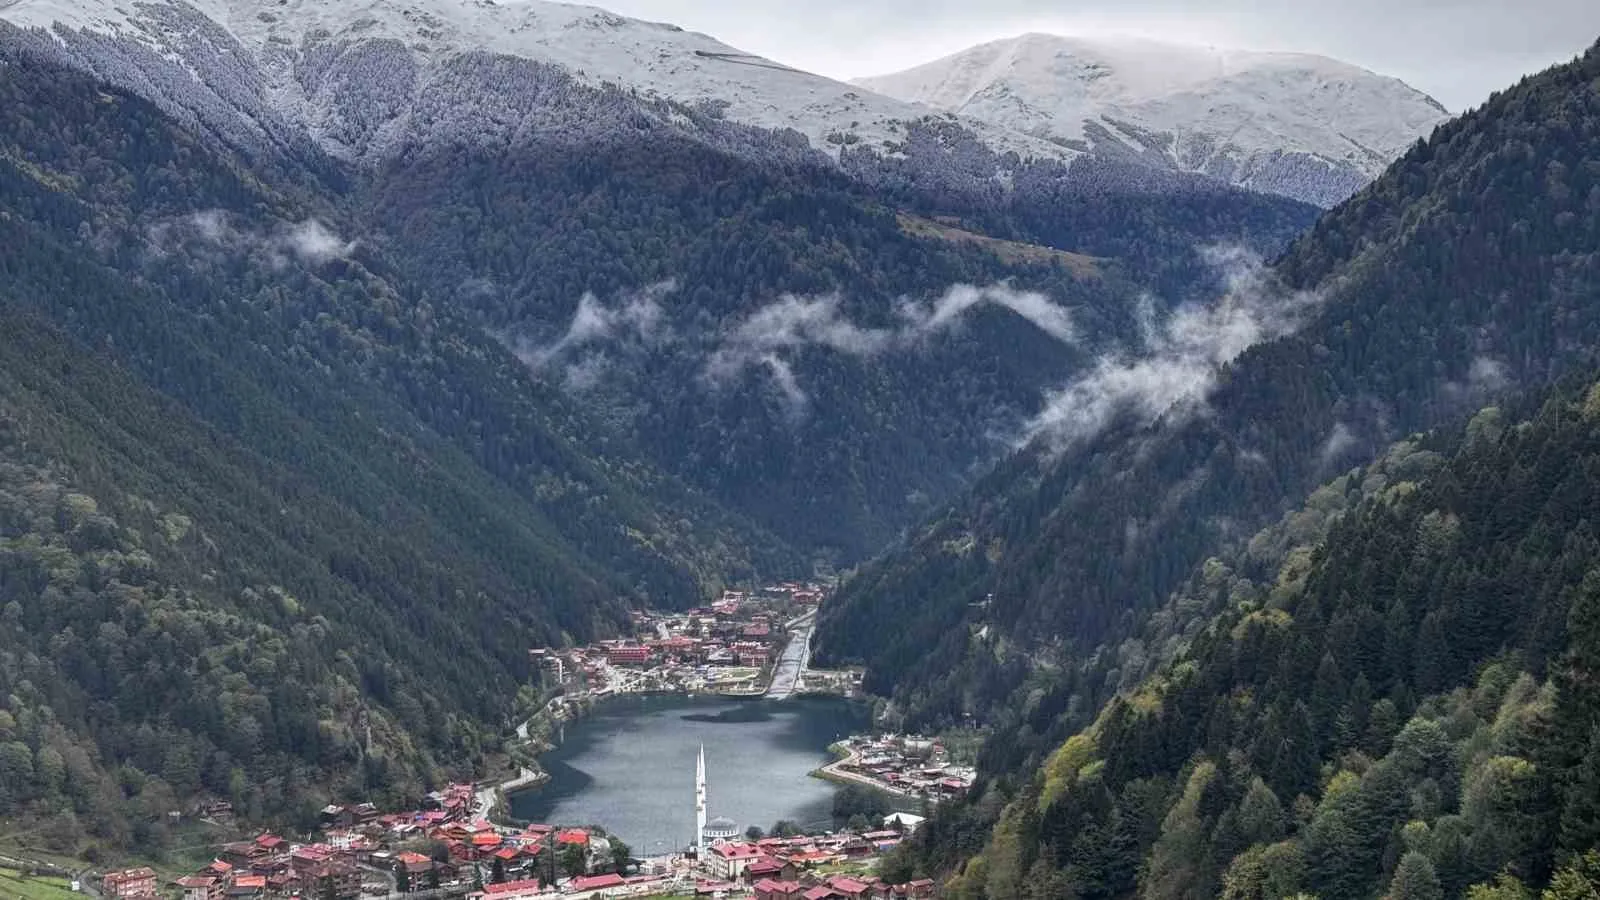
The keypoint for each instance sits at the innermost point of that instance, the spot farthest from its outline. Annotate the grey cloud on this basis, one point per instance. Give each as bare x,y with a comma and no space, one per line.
313,242
309,241
794,323
795,399
640,316
947,311
1176,369
1340,440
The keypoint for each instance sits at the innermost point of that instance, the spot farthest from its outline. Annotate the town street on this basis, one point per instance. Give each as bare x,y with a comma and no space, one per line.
790,669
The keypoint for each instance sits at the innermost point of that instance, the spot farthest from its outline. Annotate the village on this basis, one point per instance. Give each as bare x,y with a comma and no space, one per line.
444,849
905,765
745,644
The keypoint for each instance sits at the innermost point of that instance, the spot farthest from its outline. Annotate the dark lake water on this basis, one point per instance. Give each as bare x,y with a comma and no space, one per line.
629,767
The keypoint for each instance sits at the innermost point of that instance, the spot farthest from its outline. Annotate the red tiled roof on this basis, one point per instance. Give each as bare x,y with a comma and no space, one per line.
507,887
765,864
507,853
486,839
596,882
573,836
736,851
250,881
410,857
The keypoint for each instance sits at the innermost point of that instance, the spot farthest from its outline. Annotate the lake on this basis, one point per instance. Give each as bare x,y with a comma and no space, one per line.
629,766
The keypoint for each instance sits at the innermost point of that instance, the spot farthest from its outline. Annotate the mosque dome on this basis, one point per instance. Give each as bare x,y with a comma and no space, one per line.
721,828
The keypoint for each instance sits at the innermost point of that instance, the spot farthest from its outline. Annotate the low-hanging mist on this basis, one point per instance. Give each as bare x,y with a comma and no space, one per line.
768,341
1176,368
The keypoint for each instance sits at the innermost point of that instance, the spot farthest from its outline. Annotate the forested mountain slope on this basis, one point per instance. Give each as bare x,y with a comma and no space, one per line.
824,358
1405,709
1469,267
801,370
261,494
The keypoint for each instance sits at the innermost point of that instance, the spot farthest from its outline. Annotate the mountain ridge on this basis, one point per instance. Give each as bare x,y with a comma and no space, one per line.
1226,113
354,77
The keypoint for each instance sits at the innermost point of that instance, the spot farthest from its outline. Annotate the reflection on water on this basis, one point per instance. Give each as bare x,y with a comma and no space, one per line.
630,766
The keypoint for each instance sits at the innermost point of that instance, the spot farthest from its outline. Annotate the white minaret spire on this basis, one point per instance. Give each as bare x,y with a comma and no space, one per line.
700,804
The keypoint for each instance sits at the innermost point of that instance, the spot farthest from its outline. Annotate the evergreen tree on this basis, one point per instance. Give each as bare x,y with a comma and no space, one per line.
1415,879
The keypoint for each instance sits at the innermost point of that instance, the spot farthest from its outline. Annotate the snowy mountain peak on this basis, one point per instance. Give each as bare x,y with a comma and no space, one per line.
1244,116
596,46
366,78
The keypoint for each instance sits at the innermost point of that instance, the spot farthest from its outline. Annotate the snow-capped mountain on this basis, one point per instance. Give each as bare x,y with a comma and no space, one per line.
369,79
307,59
1306,126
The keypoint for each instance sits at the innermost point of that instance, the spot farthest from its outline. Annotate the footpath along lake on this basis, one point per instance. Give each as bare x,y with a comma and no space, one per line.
629,766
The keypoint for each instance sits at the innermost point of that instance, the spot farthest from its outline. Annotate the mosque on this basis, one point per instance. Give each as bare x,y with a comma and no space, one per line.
720,828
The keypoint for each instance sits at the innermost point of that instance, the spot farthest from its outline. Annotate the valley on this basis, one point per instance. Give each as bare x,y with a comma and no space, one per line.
413,417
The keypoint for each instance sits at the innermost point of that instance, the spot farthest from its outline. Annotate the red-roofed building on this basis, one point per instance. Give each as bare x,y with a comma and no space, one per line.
729,859
849,887
628,656
220,869
582,884
767,889
772,868
270,842
338,879
202,887
248,886
813,857
306,859
573,836
415,864
130,884
751,653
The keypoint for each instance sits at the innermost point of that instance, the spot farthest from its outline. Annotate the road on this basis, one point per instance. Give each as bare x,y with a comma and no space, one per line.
788,673
836,770
485,803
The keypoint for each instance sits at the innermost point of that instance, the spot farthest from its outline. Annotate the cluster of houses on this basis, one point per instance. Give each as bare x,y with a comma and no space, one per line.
788,868
688,650
906,764
352,855
841,887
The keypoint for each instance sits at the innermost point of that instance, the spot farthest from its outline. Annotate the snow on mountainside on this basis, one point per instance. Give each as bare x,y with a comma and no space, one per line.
368,79
1278,122
307,49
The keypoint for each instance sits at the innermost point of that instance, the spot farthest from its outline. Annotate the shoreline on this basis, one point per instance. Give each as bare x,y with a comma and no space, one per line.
834,774
532,780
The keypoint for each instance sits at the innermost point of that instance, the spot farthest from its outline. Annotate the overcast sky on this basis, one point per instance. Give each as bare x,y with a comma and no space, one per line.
1457,50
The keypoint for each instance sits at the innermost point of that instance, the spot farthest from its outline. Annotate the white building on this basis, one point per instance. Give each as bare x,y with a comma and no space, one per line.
728,859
